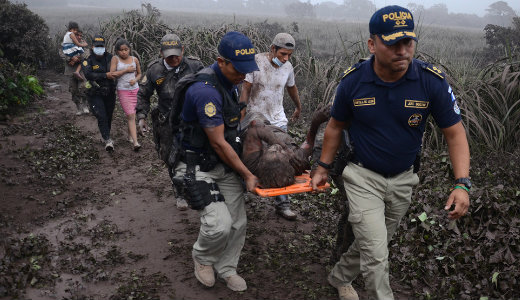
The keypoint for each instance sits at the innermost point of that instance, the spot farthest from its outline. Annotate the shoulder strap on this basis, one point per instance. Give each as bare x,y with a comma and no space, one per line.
436,71
350,70
204,75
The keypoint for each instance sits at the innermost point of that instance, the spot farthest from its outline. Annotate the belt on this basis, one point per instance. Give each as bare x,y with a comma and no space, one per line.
385,175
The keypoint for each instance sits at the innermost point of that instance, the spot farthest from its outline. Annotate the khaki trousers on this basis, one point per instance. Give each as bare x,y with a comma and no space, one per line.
377,205
222,224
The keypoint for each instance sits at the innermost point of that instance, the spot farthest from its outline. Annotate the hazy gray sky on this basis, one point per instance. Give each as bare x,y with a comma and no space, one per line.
456,6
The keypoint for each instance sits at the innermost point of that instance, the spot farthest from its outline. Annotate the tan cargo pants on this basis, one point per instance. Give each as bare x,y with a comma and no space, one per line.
377,205
222,224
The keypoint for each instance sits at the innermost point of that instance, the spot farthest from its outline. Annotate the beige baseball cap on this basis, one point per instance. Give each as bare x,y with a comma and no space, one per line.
284,40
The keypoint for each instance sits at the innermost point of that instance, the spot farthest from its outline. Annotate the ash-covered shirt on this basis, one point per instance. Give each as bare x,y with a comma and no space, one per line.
267,89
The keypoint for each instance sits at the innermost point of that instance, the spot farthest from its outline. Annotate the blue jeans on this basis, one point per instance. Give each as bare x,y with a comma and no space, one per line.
282,202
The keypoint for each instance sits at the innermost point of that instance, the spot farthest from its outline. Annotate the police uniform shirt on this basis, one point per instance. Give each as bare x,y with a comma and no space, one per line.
203,103
96,68
388,119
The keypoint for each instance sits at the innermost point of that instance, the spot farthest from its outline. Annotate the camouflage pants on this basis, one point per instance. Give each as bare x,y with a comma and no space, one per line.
77,91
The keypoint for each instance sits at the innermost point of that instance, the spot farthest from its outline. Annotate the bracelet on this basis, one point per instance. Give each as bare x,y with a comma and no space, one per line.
326,166
460,187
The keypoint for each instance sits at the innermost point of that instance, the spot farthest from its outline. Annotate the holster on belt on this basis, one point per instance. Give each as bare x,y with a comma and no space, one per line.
198,193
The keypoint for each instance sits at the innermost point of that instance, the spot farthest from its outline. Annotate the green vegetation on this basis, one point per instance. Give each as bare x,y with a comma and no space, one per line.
17,86
476,257
23,41
23,34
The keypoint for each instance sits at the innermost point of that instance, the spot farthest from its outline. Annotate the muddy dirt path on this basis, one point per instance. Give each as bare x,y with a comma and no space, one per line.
79,223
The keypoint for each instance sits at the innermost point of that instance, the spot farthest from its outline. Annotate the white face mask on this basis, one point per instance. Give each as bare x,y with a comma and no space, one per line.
99,50
277,61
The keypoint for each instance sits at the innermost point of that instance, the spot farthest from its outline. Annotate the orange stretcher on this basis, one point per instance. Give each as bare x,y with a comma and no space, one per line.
302,185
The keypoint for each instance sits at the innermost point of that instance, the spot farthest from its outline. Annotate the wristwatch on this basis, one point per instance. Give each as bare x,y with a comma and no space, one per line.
465,181
325,165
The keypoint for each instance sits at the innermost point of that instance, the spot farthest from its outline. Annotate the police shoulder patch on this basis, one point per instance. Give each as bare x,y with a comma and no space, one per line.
159,81
209,109
434,70
348,71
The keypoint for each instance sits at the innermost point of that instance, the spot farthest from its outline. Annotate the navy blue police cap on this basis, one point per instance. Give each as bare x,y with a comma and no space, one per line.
239,50
98,40
392,24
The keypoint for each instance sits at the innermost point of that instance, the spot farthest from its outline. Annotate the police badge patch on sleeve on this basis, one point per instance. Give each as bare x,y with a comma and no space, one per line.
456,108
210,110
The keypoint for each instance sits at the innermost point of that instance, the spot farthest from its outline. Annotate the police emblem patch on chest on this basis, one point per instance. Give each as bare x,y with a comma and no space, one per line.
95,67
415,120
159,81
210,110
85,63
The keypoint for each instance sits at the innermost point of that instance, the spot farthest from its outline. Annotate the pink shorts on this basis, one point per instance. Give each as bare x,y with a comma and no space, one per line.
128,100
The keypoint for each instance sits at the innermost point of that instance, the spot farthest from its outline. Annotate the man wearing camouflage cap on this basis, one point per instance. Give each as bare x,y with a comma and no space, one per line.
162,76
263,92
386,102
209,166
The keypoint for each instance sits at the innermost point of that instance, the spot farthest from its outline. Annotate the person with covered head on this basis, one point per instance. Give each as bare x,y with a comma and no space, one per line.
263,92
386,101
208,167
162,76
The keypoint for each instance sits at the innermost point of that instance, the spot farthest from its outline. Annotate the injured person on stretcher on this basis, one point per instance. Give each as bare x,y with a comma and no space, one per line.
272,155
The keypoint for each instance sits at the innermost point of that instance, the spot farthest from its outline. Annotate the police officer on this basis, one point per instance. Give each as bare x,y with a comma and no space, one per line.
101,91
162,75
210,167
387,100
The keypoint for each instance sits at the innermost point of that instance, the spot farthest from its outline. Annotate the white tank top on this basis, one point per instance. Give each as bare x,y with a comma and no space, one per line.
67,39
123,82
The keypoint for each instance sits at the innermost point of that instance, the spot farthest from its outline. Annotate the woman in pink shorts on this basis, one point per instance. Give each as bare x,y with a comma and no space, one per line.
128,72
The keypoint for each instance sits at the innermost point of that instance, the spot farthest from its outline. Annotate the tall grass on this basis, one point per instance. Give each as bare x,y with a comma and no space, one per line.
492,106
488,94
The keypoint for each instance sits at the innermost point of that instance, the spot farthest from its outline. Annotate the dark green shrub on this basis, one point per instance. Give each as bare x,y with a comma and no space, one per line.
17,86
23,34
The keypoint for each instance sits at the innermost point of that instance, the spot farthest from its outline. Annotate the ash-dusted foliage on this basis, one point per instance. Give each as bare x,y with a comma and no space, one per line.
490,106
142,29
502,41
24,263
474,257
23,34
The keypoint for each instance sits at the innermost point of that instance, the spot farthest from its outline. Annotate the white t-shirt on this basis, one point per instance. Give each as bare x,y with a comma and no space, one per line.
267,89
